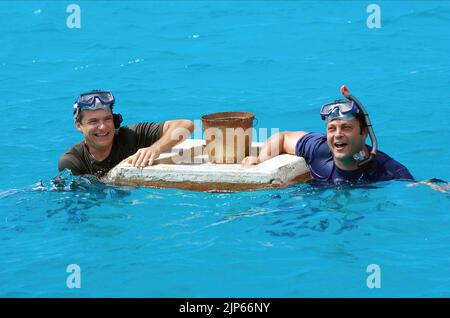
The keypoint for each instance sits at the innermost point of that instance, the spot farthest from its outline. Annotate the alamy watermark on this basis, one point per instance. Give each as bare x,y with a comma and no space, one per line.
223,145
74,279
74,19
374,279
374,19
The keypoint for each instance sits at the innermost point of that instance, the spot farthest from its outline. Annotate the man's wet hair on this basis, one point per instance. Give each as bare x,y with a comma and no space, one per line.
362,122
80,116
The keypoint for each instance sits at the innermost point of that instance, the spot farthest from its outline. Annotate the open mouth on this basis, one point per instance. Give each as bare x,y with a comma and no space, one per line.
339,145
101,135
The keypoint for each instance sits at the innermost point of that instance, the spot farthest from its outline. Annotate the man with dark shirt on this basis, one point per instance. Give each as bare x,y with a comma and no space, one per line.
334,158
106,144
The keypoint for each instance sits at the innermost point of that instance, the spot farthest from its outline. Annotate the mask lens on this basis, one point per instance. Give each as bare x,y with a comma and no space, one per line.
345,107
105,96
87,98
327,109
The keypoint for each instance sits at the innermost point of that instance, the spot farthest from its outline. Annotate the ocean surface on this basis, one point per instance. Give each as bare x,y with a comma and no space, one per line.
280,60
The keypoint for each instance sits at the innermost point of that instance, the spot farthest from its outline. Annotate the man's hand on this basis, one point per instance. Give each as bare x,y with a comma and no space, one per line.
144,157
250,160
444,189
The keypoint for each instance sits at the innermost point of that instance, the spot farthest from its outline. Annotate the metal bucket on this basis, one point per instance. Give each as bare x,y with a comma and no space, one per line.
228,136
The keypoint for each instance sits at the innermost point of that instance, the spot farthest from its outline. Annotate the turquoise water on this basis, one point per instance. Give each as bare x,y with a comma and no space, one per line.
280,60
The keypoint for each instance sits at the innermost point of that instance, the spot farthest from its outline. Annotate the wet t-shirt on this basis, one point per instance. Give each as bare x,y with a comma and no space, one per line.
314,148
127,141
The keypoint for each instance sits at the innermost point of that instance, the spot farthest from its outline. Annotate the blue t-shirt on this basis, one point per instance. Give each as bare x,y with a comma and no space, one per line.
314,148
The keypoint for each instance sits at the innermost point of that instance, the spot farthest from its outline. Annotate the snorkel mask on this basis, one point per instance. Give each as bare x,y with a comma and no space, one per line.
96,99
346,110
340,109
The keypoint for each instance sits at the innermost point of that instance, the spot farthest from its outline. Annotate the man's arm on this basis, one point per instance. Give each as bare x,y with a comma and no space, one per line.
283,142
174,132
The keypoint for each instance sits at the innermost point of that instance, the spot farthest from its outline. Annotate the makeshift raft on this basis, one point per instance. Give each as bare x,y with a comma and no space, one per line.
187,167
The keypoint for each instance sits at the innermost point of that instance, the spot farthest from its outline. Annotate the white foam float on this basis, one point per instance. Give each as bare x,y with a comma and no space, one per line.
187,167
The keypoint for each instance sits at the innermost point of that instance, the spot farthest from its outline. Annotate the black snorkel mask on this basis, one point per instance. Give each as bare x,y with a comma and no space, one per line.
346,110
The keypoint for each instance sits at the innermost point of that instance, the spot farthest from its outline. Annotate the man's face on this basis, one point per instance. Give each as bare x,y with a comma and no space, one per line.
97,127
344,138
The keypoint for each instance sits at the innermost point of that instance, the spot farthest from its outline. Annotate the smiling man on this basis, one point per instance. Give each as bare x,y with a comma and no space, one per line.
106,144
341,155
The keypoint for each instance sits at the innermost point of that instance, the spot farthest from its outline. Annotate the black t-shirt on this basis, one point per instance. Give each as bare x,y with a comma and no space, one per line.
128,140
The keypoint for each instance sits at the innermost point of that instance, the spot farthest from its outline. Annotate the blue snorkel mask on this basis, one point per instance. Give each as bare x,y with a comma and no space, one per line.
340,109
96,99
89,99
347,110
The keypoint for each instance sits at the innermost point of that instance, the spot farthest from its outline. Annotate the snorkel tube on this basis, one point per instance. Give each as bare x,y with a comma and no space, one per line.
345,92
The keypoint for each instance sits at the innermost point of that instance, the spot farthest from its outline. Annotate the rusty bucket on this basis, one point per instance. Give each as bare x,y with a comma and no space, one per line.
228,136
